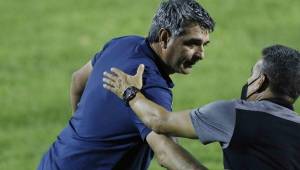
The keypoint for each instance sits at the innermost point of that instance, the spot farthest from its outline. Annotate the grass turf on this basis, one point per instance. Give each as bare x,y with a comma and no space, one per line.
43,42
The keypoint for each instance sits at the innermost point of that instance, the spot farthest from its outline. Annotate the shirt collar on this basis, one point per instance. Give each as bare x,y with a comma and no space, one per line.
281,103
158,61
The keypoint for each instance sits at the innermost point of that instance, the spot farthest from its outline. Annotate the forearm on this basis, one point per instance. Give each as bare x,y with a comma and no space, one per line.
152,114
172,156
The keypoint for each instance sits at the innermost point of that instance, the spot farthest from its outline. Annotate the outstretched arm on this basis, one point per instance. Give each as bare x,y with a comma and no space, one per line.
153,115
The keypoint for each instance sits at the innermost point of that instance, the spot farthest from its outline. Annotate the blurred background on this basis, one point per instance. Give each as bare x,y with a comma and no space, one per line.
43,42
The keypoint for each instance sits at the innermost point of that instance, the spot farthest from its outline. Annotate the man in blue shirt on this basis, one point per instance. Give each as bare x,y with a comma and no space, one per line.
103,134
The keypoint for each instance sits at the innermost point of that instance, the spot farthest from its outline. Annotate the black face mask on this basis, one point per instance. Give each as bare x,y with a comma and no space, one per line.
244,92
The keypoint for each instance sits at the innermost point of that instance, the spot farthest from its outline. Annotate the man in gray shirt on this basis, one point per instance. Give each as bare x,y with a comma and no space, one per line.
260,131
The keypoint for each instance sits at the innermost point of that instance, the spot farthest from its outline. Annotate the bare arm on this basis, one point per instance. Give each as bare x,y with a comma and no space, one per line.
79,79
162,121
171,155
153,115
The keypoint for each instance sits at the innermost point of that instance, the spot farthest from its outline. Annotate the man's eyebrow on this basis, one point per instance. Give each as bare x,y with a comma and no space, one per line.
197,41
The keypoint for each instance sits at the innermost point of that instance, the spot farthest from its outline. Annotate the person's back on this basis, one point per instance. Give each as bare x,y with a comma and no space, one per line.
101,135
265,137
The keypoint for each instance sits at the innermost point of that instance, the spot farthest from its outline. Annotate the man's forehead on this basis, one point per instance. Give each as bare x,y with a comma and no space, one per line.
196,32
196,29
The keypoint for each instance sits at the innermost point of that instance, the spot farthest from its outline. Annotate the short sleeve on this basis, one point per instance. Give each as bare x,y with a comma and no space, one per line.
215,122
95,58
98,54
154,90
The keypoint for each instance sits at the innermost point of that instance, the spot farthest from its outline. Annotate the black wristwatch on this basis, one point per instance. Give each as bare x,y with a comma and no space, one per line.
129,94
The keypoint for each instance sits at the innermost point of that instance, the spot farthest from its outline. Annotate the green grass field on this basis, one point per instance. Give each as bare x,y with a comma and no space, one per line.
43,42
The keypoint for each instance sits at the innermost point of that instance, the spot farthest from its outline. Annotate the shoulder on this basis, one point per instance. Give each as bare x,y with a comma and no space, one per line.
270,108
128,39
219,106
151,77
215,121
216,111
123,40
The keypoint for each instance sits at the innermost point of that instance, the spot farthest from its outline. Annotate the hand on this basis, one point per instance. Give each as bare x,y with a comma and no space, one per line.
117,81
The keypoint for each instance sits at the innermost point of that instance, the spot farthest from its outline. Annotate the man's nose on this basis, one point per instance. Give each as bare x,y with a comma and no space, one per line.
200,53
198,56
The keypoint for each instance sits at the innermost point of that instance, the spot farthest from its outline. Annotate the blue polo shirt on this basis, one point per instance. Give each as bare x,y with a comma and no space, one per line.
103,133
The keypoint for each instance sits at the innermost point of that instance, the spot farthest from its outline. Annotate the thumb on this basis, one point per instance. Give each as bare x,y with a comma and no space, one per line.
140,70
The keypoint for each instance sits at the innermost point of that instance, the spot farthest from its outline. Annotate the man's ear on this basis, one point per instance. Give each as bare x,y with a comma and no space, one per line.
164,37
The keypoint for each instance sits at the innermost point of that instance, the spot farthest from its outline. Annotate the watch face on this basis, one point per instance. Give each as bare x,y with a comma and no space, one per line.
129,94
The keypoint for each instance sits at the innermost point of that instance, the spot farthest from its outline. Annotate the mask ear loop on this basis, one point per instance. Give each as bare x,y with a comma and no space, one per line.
265,84
252,83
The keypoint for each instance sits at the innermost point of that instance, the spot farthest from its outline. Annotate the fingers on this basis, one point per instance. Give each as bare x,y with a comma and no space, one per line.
108,87
110,76
108,82
140,70
112,82
117,71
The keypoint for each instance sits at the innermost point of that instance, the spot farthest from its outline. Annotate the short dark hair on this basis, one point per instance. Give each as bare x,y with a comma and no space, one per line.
281,65
174,15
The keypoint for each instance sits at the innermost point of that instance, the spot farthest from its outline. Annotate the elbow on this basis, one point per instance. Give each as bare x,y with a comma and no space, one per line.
167,162
75,76
196,167
158,122
162,159
157,126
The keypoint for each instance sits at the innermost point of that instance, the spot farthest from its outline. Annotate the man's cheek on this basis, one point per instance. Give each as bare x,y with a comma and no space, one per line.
187,54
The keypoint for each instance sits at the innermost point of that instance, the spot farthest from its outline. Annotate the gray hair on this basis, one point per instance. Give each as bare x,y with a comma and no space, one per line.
174,15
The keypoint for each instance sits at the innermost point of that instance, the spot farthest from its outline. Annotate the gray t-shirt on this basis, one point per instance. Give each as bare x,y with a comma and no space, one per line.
215,122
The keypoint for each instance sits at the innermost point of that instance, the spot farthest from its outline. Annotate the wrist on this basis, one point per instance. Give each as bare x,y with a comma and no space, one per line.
137,97
129,94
